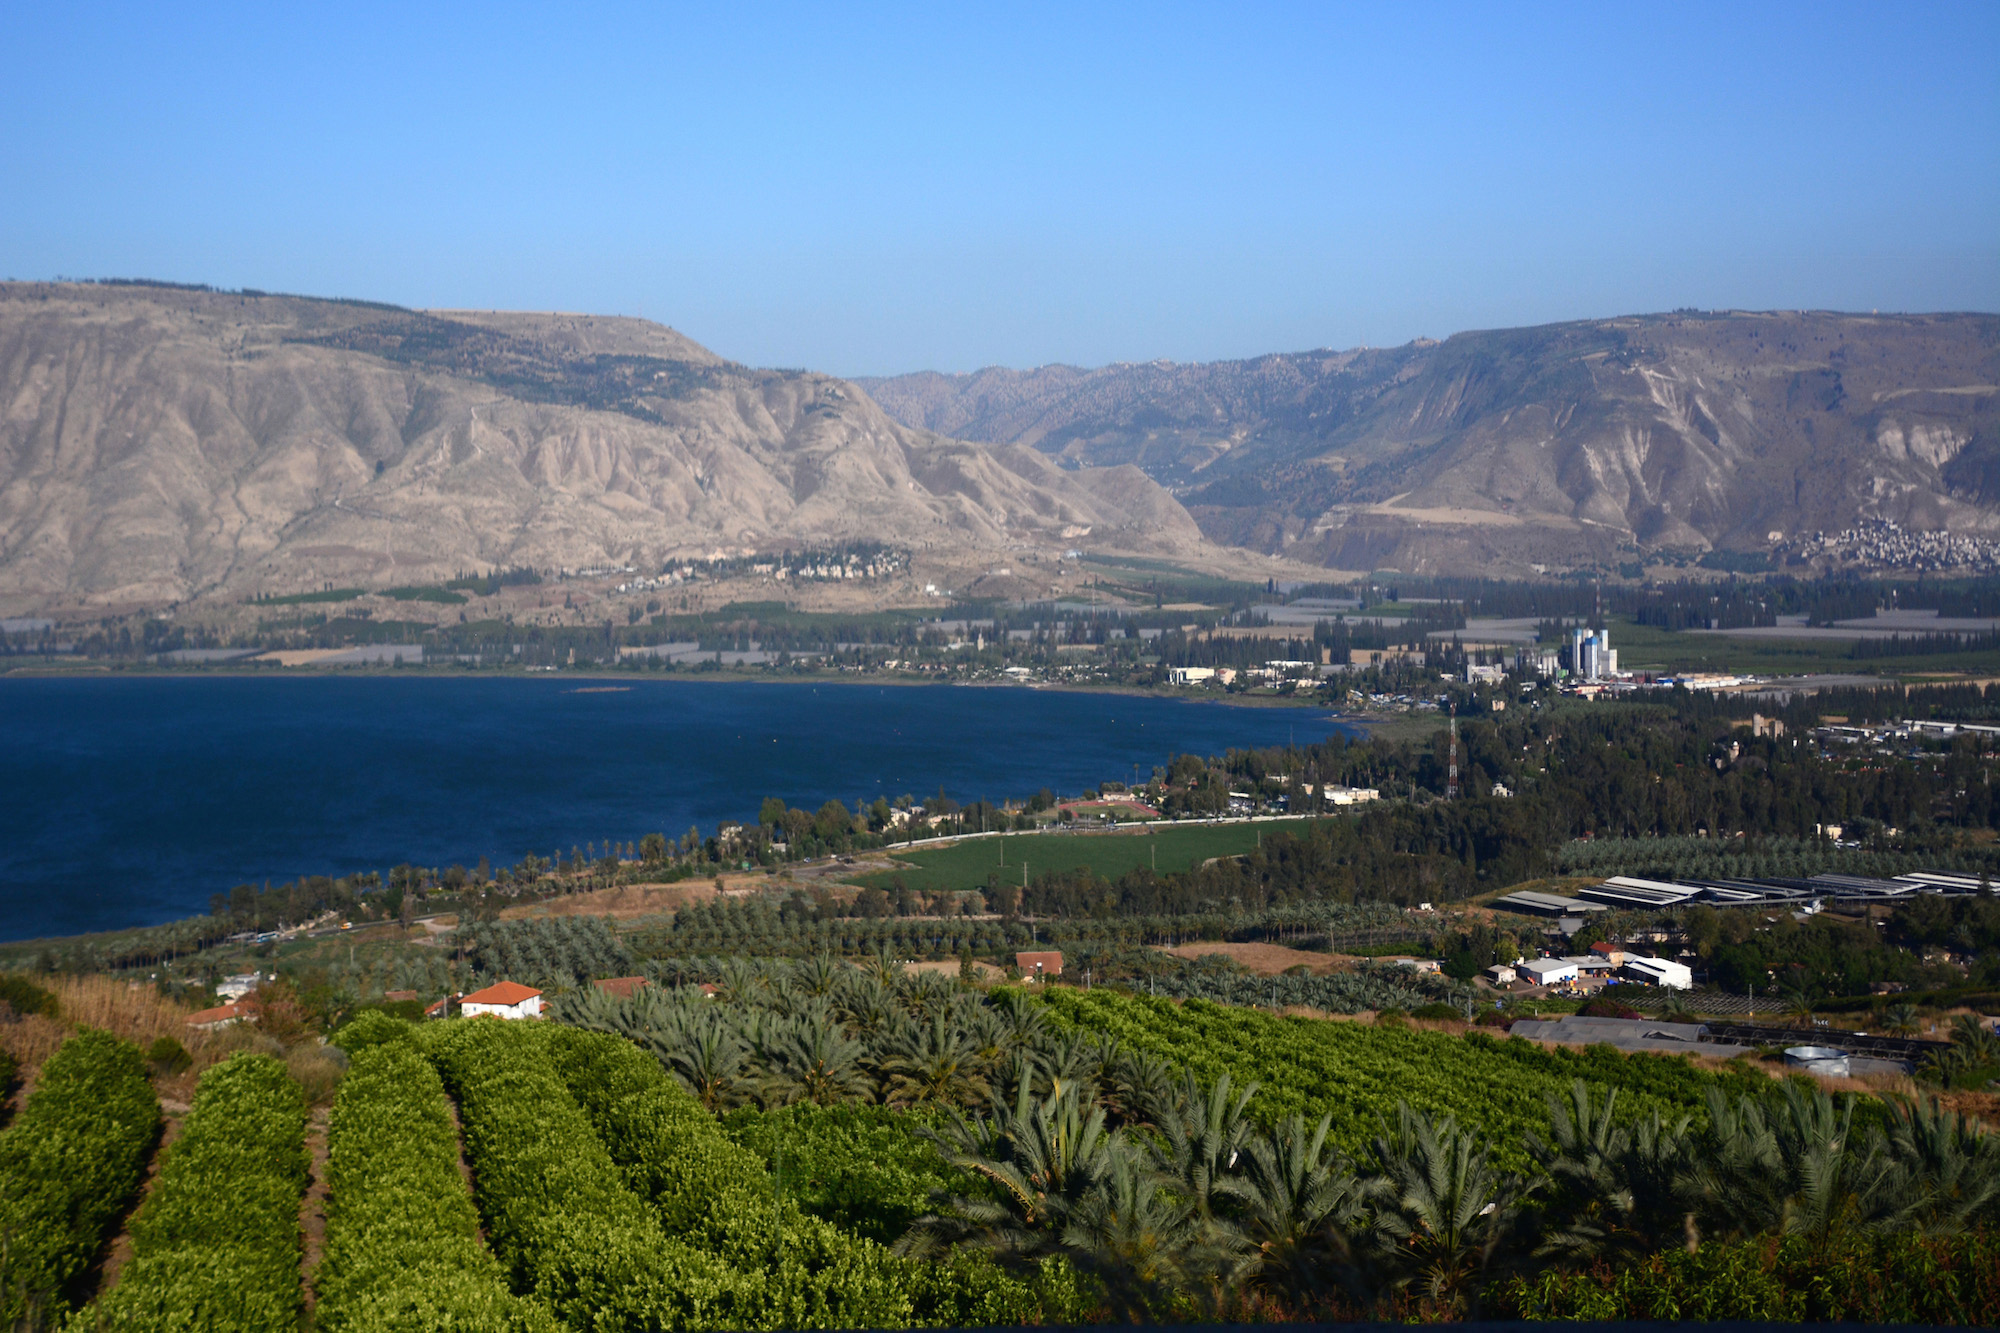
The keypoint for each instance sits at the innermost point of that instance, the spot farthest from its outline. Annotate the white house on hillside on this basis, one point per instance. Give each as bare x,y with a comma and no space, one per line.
503,999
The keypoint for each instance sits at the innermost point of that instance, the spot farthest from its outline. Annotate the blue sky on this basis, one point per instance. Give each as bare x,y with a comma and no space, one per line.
874,189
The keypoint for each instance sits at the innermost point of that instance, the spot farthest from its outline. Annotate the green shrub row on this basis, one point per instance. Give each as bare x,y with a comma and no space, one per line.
1903,1279
799,1270
69,1165
215,1247
557,1211
402,1238
863,1167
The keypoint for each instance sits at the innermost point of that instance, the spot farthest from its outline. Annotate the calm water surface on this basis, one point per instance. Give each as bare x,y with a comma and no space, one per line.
128,802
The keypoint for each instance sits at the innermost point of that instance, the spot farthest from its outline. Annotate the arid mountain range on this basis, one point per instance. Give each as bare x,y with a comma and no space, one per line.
163,444
1536,447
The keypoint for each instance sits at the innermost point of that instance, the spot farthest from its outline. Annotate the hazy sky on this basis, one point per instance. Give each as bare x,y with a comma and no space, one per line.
864,189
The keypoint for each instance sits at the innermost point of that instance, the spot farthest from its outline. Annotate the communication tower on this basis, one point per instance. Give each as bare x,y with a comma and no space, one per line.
1451,773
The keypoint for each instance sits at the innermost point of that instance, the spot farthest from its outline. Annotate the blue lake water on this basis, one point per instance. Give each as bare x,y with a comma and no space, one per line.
128,802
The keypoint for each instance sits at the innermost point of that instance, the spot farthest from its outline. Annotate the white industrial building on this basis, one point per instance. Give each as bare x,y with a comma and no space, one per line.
1548,971
1591,654
1660,972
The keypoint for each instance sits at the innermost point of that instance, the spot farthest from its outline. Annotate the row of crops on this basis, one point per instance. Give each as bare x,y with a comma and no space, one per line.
768,929
609,1198
1358,1072
1758,858
617,1202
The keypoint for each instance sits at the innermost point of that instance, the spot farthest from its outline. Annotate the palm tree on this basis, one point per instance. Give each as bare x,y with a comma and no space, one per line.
1041,1156
1202,1137
1140,1088
1613,1189
1900,1019
1948,1165
1793,1169
821,975
1066,1061
926,993
1442,1212
814,1062
1135,1236
1800,1003
936,1063
710,1065
1299,1208
740,981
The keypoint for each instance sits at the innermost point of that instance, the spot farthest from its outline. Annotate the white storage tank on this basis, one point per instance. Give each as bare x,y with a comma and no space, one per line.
1828,1060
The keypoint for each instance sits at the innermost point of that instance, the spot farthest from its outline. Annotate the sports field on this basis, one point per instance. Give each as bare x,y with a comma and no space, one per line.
966,864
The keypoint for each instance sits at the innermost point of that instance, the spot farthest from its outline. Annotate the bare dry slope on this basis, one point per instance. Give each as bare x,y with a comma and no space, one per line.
1558,445
159,444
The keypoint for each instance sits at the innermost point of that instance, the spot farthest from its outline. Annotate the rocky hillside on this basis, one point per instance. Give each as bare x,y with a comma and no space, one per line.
1523,447
159,444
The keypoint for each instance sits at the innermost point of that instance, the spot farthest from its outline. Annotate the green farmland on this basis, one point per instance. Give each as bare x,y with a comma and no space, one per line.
966,864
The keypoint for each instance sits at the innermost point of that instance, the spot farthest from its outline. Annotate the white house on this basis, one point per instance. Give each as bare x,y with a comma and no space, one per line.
1660,972
1548,971
503,999
1190,675
1502,975
240,985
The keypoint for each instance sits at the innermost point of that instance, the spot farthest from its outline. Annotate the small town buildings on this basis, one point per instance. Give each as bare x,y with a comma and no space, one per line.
1431,965
503,999
1190,675
1613,954
1039,965
1502,975
240,985
1548,971
621,988
1660,972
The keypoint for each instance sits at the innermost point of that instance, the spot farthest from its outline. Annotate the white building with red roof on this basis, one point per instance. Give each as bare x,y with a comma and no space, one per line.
503,999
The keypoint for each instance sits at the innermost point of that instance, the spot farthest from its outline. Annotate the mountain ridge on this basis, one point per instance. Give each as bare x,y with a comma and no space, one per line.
161,443
1570,443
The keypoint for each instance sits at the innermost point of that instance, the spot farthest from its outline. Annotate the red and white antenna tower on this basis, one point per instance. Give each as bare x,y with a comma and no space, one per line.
1451,774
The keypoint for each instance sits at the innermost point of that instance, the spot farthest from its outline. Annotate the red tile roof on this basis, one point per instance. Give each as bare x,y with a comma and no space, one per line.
623,988
226,1013
1050,962
501,992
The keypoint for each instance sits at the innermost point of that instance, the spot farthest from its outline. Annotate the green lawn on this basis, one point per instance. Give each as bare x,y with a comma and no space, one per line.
965,865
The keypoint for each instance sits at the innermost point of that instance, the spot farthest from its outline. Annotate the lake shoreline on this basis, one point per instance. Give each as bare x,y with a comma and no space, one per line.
599,673
129,799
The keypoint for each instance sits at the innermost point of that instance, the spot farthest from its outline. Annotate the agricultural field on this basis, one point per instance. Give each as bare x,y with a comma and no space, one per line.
820,1145
1646,647
1357,1073
968,863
